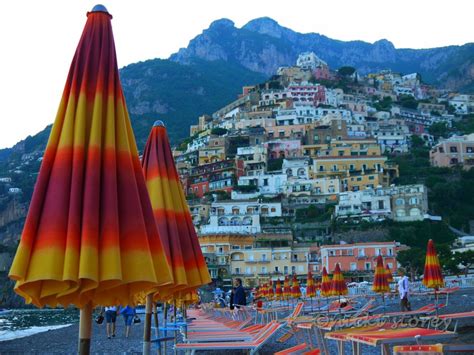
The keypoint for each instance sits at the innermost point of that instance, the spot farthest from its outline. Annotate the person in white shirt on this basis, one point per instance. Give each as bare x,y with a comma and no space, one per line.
403,287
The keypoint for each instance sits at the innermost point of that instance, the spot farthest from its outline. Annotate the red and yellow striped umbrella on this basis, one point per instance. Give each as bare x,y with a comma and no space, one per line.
380,284
310,288
338,284
278,290
432,276
295,288
388,274
286,288
90,236
325,283
270,292
172,216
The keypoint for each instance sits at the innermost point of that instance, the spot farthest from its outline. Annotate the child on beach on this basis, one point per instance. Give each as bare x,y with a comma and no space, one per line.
128,314
110,318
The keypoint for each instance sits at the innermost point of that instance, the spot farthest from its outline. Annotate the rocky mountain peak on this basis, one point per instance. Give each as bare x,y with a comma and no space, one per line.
222,23
265,25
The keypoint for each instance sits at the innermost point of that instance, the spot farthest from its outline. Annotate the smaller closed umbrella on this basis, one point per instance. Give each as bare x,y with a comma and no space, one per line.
286,288
278,290
388,274
432,276
338,285
310,287
380,279
270,292
325,284
295,288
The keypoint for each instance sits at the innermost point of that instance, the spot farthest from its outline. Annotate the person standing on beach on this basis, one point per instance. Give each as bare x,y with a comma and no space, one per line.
237,297
128,314
403,286
110,318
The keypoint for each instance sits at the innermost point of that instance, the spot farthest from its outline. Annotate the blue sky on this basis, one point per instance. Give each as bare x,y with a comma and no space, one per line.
38,38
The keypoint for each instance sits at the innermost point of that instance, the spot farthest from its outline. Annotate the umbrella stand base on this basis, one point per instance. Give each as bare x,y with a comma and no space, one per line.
85,327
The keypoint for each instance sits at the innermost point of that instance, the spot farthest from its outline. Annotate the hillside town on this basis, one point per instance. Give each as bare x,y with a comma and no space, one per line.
268,175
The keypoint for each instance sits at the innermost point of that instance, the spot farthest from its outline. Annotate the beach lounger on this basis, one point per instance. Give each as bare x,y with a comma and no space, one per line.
251,346
300,349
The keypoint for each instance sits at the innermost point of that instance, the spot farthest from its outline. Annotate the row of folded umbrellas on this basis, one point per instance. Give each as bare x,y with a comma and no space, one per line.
338,287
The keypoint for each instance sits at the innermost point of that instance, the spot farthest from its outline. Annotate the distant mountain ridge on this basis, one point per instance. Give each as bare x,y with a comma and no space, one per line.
263,45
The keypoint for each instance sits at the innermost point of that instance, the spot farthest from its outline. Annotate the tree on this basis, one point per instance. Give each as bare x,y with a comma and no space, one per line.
346,71
466,259
413,260
439,129
218,131
408,101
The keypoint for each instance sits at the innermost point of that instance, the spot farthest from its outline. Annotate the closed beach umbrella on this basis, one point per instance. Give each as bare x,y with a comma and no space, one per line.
432,276
271,293
278,290
295,288
90,236
325,284
310,288
172,216
380,284
388,274
174,223
338,284
286,288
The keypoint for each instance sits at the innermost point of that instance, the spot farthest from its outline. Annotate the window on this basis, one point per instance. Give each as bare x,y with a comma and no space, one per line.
321,168
453,149
264,257
378,251
293,269
285,270
390,252
250,257
351,167
469,149
277,269
264,269
361,252
367,266
237,270
399,202
353,266
413,200
381,205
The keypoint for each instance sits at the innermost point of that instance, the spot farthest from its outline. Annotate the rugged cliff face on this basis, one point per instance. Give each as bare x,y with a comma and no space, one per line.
263,45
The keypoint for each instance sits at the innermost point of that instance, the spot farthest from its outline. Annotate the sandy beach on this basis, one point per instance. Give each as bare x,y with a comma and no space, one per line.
64,340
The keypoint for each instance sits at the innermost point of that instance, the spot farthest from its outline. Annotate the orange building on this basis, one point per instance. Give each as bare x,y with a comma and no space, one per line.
359,257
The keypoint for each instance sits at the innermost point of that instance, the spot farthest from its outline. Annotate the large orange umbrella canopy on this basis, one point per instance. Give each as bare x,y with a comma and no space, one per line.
380,278
310,288
278,290
338,285
295,287
286,287
388,274
90,235
325,283
172,216
432,276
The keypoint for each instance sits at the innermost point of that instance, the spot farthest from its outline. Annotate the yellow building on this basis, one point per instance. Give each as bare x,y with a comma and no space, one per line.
209,155
261,264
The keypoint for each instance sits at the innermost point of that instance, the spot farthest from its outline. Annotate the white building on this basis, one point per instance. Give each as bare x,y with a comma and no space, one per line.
267,184
309,60
409,202
14,190
369,203
296,168
239,216
255,159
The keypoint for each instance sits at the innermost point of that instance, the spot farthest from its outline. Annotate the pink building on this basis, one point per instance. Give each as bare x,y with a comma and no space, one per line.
358,257
453,151
307,93
283,149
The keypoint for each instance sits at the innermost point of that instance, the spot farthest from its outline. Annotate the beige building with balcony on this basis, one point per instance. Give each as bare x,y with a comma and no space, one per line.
457,150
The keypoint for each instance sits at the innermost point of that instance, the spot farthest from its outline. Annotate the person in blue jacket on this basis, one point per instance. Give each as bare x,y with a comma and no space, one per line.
237,297
128,314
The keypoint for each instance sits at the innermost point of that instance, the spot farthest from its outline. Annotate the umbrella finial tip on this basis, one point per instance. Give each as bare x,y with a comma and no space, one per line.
158,124
99,8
